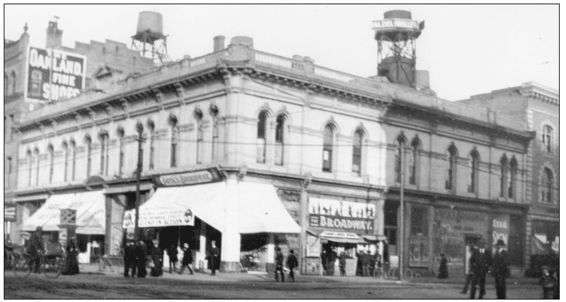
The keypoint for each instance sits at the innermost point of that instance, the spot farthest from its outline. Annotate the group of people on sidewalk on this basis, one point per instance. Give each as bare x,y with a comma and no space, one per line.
137,257
291,262
481,262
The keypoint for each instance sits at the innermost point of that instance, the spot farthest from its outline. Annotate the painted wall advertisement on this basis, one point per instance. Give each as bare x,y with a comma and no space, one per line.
339,214
54,74
158,218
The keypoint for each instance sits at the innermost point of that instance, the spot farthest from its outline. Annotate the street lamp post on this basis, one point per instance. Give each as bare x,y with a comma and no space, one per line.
139,129
402,212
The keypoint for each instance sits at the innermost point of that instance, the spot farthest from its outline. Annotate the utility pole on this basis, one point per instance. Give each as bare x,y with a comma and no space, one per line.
402,213
139,129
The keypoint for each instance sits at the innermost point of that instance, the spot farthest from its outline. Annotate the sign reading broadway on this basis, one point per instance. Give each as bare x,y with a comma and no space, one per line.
54,74
339,214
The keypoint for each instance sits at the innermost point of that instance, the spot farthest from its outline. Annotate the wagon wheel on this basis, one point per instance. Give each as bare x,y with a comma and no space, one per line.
53,266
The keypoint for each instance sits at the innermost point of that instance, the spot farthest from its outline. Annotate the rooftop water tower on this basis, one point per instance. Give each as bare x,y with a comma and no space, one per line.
396,38
149,39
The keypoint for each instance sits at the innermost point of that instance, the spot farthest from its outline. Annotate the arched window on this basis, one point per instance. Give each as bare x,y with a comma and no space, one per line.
279,139
513,166
174,141
503,176
546,186
73,159
14,82
121,155
215,135
399,156
30,164
474,173
51,154
65,160
37,165
151,142
104,153
547,134
328,147
452,164
261,137
414,161
200,135
357,152
88,143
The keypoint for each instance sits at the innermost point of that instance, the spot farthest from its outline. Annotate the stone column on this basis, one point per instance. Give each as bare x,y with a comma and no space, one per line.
303,220
201,262
270,262
379,217
230,248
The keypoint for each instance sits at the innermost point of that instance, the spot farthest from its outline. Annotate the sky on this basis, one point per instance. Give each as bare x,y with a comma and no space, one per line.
468,49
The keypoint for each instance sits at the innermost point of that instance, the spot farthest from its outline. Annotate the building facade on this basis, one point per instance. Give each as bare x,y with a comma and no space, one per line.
329,144
533,107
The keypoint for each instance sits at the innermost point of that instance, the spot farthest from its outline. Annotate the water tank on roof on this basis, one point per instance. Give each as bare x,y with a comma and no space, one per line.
398,14
150,23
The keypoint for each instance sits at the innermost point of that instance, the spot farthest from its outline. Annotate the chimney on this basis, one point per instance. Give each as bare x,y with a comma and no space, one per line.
218,43
54,35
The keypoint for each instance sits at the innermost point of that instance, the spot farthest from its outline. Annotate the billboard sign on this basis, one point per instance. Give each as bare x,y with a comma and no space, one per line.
54,75
340,214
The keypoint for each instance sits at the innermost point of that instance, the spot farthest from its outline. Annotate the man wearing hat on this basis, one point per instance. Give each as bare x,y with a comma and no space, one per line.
500,264
480,261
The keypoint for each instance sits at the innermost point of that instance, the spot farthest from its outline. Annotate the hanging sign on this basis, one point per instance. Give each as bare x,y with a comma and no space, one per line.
54,75
188,178
161,217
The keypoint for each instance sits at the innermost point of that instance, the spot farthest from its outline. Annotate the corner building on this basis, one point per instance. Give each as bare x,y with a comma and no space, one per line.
254,150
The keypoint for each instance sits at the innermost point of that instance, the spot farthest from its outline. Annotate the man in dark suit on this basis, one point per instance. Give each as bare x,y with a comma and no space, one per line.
500,264
213,258
480,263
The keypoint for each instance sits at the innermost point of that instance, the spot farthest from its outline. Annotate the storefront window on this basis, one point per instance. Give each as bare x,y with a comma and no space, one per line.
418,237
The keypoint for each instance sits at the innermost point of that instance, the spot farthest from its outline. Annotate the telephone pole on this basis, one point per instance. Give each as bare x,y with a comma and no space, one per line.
139,129
402,213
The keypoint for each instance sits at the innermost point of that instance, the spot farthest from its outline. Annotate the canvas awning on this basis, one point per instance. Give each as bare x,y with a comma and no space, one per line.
91,213
341,237
258,208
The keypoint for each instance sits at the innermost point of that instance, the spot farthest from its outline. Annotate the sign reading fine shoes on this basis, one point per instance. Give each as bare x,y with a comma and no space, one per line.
339,214
54,74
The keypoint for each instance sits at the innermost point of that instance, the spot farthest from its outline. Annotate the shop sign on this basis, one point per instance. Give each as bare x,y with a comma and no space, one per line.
313,246
500,224
339,214
189,178
54,74
158,218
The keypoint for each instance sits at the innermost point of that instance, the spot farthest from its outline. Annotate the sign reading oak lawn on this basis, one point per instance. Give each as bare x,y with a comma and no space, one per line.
339,214
160,218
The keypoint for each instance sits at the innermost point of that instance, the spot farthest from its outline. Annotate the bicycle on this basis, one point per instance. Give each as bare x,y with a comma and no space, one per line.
51,265
393,273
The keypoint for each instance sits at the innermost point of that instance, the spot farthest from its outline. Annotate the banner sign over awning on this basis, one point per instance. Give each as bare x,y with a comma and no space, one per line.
189,178
159,218
340,214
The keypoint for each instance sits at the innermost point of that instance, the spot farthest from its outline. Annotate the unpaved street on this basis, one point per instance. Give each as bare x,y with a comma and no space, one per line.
200,286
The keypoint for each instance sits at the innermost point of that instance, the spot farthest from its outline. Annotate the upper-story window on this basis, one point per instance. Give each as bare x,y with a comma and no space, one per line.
215,134
151,142
6,84
30,165
547,185
73,159
399,156
452,167
65,160
174,140
357,152
37,166
474,171
503,176
88,143
512,179
328,147
200,135
14,80
9,169
280,139
51,154
414,161
121,155
104,138
261,142
547,136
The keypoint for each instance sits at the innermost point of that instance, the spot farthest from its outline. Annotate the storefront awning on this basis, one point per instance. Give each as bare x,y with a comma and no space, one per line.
341,237
374,238
259,209
91,213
